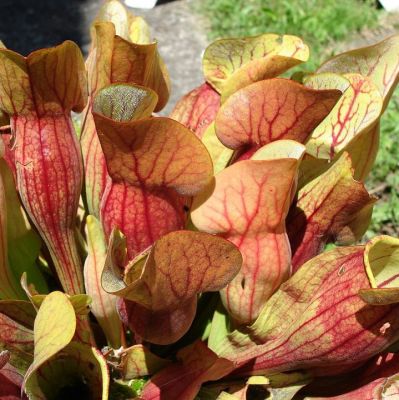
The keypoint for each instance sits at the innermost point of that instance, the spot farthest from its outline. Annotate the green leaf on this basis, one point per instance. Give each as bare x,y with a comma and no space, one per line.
138,361
78,370
104,304
219,328
18,340
23,242
54,328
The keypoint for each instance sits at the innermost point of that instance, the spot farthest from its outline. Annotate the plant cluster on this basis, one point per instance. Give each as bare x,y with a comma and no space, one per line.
193,263
326,26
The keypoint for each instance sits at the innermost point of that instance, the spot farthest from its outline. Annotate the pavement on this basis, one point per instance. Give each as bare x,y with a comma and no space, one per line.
27,25
181,41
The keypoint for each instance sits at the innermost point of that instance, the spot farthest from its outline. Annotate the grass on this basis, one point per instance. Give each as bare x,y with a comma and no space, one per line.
319,22
324,25
384,179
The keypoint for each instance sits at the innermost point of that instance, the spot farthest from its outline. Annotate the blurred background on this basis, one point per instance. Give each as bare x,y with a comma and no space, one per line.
183,29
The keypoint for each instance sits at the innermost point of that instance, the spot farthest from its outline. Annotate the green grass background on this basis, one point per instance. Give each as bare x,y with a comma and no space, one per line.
326,26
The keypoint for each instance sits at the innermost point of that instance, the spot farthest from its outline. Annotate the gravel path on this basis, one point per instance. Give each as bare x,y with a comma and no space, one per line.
27,25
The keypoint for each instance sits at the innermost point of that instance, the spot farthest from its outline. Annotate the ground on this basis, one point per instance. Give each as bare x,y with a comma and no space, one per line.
31,24
28,25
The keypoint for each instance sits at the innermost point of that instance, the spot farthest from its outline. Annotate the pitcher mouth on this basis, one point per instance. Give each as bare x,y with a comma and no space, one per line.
78,389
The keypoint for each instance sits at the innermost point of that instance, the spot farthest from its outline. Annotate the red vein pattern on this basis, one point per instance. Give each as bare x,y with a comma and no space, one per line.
39,92
231,64
182,380
317,321
76,362
138,361
270,110
248,206
163,298
10,383
375,380
324,207
143,215
357,110
18,340
50,173
154,164
160,327
197,109
111,60
379,62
